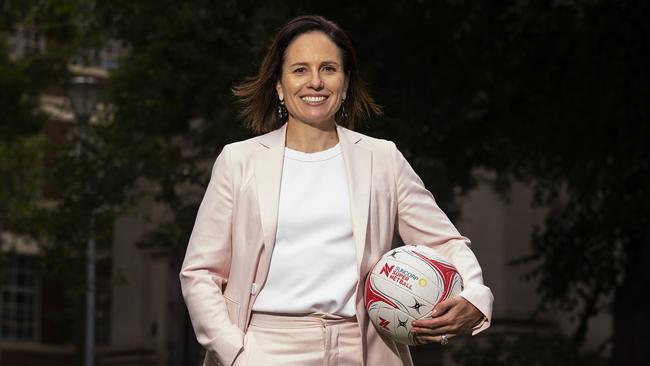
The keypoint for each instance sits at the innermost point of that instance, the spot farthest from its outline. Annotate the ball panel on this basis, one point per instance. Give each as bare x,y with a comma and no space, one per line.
385,319
447,275
394,323
402,331
375,295
424,260
426,284
403,276
456,286
408,301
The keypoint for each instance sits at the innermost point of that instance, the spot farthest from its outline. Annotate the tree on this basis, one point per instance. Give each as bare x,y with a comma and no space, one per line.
553,95
20,148
47,189
23,79
562,107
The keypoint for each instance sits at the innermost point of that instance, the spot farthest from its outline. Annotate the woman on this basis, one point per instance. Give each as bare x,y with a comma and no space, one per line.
294,219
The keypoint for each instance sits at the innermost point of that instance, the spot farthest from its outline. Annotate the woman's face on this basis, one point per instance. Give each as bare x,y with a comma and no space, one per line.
313,83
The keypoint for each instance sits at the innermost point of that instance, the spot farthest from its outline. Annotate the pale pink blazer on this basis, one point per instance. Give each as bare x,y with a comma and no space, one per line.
235,229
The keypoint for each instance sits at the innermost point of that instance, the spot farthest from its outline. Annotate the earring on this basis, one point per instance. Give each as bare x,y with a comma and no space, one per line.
344,113
283,113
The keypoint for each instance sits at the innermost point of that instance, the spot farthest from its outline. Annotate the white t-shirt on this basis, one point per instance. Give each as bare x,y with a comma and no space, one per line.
313,265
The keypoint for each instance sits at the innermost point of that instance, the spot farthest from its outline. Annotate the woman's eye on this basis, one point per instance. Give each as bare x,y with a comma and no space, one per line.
300,69
330,68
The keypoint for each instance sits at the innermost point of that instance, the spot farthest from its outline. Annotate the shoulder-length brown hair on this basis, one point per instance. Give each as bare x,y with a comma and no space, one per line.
257,94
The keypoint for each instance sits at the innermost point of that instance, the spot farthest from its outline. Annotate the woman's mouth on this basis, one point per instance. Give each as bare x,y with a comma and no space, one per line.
314,100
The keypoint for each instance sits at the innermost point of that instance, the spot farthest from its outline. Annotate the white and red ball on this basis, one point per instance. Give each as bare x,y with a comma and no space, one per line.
405,285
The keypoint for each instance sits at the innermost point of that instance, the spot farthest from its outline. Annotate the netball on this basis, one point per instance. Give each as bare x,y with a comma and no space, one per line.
405,285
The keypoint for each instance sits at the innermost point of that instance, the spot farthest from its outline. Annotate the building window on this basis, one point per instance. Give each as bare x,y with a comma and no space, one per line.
19,305
110,54
106,57
26,41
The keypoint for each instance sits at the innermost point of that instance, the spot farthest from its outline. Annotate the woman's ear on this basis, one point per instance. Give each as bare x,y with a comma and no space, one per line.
278,88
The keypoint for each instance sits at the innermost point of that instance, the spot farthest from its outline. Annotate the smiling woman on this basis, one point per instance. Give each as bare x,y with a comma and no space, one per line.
295,245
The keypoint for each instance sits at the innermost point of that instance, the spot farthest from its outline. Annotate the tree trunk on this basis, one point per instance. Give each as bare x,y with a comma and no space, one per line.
631,343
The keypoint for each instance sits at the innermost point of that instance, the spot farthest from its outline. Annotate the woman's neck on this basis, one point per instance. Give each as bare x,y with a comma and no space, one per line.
310,138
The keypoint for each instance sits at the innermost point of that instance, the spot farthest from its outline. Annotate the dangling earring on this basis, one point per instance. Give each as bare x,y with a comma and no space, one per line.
344,113
282,111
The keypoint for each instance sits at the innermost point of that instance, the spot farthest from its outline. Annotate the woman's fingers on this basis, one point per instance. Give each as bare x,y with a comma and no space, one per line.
443,307
423,339
442,316
423,331
451,317
434,326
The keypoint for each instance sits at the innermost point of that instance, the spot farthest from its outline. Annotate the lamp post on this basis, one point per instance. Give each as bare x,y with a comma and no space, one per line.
84,93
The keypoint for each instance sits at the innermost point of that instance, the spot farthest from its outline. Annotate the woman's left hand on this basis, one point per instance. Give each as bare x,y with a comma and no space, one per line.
451,317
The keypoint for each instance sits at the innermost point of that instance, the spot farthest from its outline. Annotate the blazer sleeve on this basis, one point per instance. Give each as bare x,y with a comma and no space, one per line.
421,221
207,264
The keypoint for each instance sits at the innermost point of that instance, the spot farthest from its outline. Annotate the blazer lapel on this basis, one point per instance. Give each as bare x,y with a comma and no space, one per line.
268,174
358,164
268,163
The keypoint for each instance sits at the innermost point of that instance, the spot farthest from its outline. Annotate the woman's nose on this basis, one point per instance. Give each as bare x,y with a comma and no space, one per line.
316,82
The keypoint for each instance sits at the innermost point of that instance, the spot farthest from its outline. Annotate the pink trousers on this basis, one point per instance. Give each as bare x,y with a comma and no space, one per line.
311,340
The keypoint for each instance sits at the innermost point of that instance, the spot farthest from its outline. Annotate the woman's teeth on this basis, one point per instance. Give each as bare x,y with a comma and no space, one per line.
313,99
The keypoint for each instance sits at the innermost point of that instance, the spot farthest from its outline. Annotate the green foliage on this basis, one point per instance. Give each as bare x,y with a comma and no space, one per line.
18,98
30,167
174,108
22,169
566,113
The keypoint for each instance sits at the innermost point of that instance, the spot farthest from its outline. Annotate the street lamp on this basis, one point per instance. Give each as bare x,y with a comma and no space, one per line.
84,93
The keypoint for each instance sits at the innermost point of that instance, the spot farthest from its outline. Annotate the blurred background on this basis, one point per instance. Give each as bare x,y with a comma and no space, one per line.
528,120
